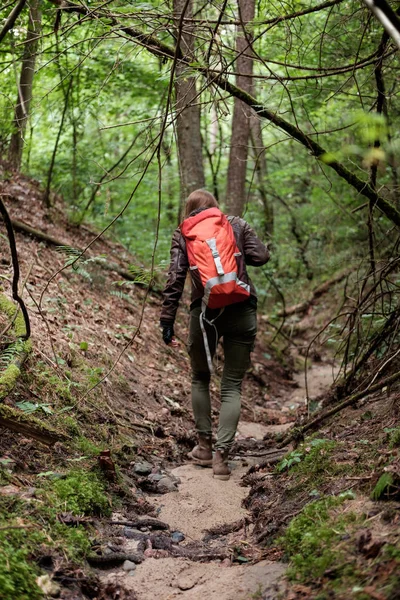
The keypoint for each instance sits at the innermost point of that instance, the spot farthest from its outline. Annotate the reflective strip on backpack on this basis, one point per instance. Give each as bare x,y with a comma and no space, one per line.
212,243
220,280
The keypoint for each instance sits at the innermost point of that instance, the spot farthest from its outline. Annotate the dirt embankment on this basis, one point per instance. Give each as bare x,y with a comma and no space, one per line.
82,322
215,540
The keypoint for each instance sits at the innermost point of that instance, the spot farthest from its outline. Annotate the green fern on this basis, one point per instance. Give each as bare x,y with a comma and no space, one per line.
69,251
382,487
121,294
141,275
80,270
8,354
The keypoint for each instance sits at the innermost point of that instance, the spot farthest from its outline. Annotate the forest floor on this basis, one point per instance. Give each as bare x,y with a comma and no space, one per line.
207,505
123,426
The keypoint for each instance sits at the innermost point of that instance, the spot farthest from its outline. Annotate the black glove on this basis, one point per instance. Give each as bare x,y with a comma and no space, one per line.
167,332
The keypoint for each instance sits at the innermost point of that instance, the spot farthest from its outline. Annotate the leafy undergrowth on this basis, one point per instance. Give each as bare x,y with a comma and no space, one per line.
337,545
332,506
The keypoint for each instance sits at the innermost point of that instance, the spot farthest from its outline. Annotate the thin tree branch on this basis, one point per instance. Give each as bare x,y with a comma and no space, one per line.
15,263
12,17
160,49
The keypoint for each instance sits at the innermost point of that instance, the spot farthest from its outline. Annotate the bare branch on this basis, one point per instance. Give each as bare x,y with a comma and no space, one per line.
12,17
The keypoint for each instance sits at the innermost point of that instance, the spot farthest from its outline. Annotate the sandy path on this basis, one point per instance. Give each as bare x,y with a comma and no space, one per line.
169,578
201,503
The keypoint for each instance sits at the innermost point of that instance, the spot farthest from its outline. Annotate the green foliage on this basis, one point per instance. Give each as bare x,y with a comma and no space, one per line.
83,444
382,487
394,436
27,528
31,407
311,539
17,575
289,460
82,492
311,458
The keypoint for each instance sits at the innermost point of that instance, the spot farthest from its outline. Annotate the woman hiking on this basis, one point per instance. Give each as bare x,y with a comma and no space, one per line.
215,249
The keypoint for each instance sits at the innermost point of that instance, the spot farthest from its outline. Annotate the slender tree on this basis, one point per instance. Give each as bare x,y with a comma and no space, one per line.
260,165
188,109
25,84
236,184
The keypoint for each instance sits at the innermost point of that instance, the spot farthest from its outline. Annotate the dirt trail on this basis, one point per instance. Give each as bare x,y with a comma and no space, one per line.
202,503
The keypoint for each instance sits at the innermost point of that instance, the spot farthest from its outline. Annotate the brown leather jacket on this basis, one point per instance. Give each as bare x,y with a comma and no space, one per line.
254,253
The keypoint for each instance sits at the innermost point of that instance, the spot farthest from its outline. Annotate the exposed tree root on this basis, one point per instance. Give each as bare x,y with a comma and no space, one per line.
220,530
52,241
146,522
113,560
29,426
297,433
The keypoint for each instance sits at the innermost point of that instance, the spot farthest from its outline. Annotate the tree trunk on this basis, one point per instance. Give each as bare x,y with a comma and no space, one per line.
236,185
260,165
188,110
46,197
25,85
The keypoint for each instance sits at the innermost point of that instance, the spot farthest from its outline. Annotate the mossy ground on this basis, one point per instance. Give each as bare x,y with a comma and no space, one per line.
67,480
331,549
32,528
344,542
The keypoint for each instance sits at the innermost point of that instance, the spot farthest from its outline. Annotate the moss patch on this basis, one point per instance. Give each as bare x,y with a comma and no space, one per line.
309,541
82,493
38,531
8,379
9,356
9,309
331,549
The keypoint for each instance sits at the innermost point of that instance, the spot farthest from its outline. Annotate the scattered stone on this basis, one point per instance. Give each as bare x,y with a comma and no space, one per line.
151,553
166,485
187,581
129,566
155,477
48,586
226,562
143,468
132,534
177,536
13,490
175,479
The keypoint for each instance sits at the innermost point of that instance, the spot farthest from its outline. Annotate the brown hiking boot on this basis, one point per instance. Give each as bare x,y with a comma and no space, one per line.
221,469
202,453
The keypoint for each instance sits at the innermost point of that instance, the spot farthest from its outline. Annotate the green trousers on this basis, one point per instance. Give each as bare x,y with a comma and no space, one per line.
237,325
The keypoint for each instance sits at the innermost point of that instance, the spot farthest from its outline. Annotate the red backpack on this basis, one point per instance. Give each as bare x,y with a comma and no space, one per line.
212,251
